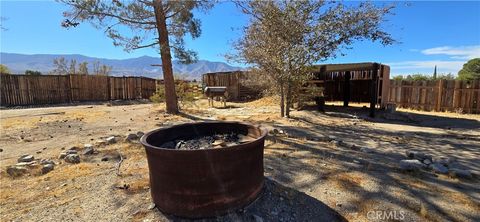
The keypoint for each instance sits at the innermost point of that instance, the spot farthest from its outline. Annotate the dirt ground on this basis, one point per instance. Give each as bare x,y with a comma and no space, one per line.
308,178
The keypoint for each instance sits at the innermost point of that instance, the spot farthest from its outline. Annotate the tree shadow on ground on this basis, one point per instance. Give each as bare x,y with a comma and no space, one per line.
226,107
278,203
340,165
400,117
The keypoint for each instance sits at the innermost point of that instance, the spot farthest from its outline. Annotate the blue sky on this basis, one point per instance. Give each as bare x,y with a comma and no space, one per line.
444,33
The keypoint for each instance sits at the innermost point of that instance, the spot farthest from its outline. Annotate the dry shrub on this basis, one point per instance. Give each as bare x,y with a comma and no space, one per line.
265,101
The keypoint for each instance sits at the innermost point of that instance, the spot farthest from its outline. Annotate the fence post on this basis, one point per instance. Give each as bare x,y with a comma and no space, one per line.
69,89
456,95
438,106
373,90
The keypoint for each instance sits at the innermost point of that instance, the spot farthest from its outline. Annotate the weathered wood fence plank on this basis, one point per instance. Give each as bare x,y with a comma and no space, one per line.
18,90
439,95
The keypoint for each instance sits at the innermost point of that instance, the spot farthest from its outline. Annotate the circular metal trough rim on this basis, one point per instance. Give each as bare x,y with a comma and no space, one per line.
143,139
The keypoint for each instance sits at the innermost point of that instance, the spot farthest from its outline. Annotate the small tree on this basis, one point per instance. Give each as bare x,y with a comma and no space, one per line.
151,23
284,38
73,65
96,68
83,68
4,69
470,70
60,66
104,70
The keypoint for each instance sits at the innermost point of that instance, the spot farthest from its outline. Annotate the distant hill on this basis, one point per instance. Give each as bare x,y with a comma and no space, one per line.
140,66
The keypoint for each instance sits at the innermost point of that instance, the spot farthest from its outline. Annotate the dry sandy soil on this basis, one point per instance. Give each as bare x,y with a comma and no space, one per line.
307,177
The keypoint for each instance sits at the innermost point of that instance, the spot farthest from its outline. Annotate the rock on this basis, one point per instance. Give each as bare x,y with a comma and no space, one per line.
131,136
25,158
428,157
140,134
151,206
47,168
26,164
439,168
460,173
410,165
72,158
47,161
1,150
419,156
105,158
87,146
16,171
338,205
88,151
38,152
111,140
257,218
427,161
416,155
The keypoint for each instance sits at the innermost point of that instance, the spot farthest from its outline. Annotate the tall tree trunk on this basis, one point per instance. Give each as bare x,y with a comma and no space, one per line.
170,95
282,100
289,99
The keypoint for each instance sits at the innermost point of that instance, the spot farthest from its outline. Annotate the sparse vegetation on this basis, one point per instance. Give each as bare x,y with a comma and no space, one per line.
284,38
166,22
4,69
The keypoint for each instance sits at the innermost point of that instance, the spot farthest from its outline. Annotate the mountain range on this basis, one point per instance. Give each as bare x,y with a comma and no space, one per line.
141,66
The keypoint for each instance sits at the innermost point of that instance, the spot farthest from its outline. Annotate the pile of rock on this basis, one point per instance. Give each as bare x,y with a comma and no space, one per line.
70,155
340,143
441,165
27,162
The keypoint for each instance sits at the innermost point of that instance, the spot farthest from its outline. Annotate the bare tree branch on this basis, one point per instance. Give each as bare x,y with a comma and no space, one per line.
146,46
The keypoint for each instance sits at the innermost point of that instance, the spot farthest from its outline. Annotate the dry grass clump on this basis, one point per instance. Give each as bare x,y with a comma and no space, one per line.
265,101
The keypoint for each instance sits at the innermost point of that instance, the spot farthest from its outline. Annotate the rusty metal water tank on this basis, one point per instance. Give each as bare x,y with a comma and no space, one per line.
204,182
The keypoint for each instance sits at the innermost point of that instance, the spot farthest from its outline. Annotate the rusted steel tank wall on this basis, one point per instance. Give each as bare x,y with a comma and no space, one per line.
204,183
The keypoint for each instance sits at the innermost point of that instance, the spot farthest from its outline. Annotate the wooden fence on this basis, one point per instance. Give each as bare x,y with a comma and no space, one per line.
236,89
438,95
17,90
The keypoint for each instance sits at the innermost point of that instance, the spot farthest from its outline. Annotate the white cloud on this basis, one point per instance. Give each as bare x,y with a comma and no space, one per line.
426,67
461,52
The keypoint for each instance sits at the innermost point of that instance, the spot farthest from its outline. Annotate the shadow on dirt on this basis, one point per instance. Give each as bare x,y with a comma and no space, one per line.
339,164
399,117
278,203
